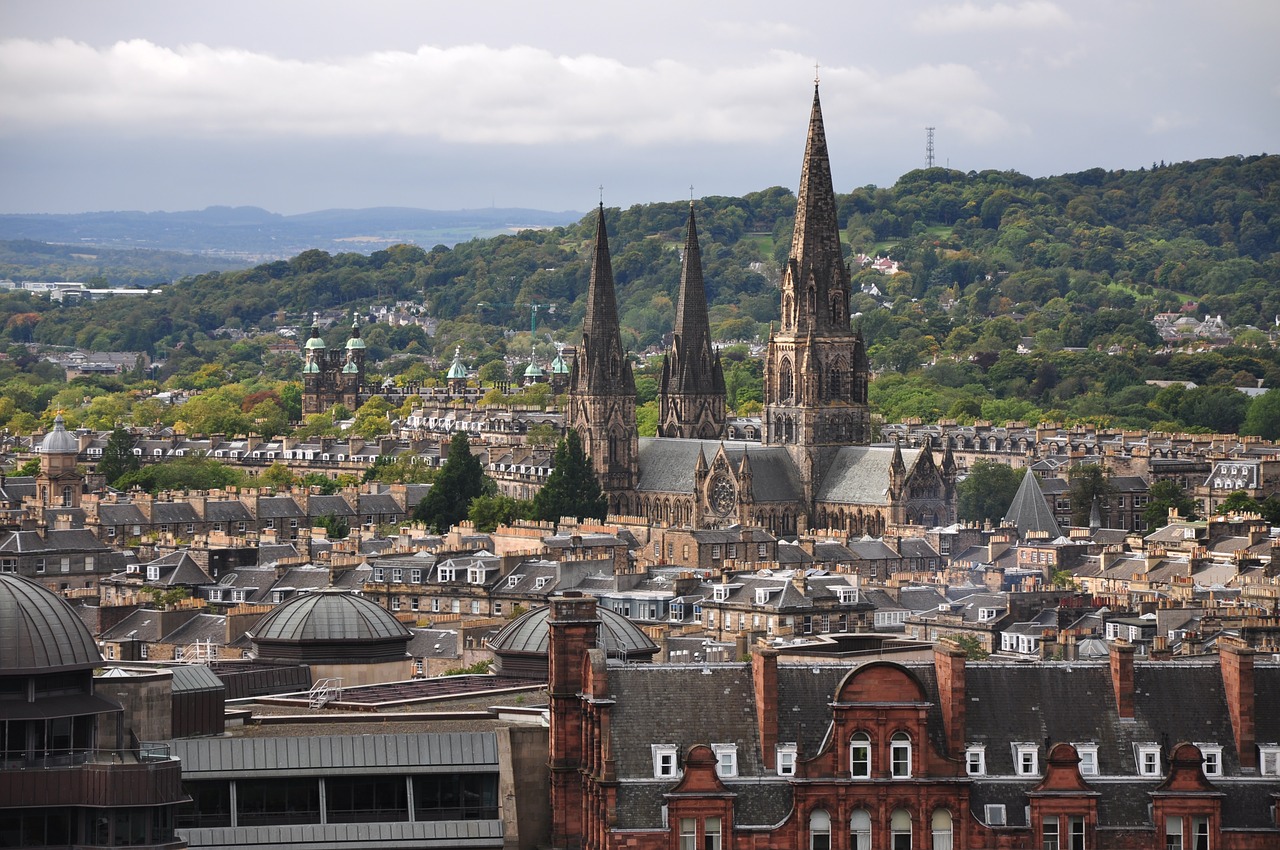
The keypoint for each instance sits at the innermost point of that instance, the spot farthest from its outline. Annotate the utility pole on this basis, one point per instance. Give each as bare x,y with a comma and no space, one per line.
928,148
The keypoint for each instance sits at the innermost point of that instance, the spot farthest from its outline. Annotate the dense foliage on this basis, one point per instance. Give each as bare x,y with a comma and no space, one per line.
1018,299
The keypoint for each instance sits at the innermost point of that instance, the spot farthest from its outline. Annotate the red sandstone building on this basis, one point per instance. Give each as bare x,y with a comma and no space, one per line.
947,755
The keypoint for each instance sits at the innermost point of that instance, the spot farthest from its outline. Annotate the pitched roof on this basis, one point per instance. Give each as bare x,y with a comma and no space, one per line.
1030,512
859,475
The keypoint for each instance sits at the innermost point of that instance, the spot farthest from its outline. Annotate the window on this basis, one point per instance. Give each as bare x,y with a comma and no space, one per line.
975,760
1076,824
1173,833
941,829
819,830
413,603
900,829
1049,833
397,576
664,761
715,552
1088,759
415,576
1026,759
762,550
733,550
1212,759
688,834
89,563
497,608
900,755
786,759
446,573
65,565
721,593
1269,760
143,651
378,573
1200,833
711,834
39,565
1148,758
994,814
726,760
860,830
860,756
153,573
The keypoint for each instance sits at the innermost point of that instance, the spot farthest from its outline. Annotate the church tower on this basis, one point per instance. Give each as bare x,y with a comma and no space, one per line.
692,397
602,389
816,366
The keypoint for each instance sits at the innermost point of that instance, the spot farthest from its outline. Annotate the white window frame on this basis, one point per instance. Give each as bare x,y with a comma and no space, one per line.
1147,758
1026,759
860,755
785,759
900,755
860,830
994,814
942,825
726,760
1088,759
1212,754
666,761
975,760
1050,833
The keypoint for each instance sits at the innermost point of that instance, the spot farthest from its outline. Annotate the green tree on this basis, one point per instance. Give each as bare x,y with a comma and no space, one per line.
117,456
460,481
185,473
571,489
336,527
277,475
319,481
29,468
1165,495
489,512
988,491
1088,482
1239,502
1263,416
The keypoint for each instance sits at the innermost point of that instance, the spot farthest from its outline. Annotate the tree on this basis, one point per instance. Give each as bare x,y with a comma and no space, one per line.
324,484
571,489
29,468
489,512
1263,416
336,527
1239,502
277,475
987,492
1165,495
117,456
1088,482
460,481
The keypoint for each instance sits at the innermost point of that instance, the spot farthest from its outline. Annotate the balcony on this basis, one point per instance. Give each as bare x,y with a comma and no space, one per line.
137,777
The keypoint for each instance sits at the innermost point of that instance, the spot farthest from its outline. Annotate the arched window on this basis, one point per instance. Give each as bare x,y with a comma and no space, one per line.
785,381
900,829
860,830
941,829
819,830
860,756
900,755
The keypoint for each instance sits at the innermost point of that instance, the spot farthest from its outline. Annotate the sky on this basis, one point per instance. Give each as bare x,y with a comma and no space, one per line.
301,105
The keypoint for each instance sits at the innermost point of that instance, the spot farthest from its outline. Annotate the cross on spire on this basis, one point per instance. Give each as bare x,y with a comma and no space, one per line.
816,78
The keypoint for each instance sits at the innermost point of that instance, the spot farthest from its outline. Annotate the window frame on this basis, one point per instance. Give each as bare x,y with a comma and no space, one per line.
1147,759
980,752
860,741
785,759
1026,759
662,768
1088,756
726,760
900,744
1212,757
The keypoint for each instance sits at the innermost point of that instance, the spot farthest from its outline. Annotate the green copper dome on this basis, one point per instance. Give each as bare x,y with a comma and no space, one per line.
457,371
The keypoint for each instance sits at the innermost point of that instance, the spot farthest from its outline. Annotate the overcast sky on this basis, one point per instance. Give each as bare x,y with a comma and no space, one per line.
298,105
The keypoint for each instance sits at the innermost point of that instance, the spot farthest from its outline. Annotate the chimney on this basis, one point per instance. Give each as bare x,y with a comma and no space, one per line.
1122,678
949,666
1236,658
764,667
573,627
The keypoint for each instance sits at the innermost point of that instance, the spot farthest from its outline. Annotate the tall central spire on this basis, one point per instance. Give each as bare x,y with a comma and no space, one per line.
815,245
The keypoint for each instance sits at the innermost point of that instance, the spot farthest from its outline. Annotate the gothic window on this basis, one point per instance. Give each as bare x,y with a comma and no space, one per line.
837,307
788,309
835,384
811,301
723,494
785,380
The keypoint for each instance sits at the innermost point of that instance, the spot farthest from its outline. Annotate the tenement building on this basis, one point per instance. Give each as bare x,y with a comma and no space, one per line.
947,754
816,467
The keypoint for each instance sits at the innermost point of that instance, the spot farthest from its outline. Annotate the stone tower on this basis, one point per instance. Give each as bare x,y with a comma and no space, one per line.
332,376
816,367
59,482
692,397
602,390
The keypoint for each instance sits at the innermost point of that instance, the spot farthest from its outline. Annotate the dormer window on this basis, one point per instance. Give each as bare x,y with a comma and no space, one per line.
1026,760
721,593
847,595
726,760
1212,754
975,760
665,765
1269,760
153,573
786,759
986,614
1088,759
1148,758
513,580
475,575
762,596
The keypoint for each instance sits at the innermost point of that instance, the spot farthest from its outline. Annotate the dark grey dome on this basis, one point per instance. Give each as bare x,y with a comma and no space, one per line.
618,636
39,631
329,615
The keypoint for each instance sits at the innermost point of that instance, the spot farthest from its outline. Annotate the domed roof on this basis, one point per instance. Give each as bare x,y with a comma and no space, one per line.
59,440
558,366
315,341
355,342
533,370
39,631
457,371
329,615
618,636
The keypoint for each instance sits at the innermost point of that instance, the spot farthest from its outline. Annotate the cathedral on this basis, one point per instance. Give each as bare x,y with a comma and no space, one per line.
816,468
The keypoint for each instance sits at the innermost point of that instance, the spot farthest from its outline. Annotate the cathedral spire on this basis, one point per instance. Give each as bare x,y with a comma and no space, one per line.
815,243
692,394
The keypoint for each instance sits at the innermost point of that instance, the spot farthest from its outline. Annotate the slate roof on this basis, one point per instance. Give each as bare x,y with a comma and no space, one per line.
202,628
279,507
39,631
227,510
1030,512
179,568
173,512
324,505
121,514
667,465
859,475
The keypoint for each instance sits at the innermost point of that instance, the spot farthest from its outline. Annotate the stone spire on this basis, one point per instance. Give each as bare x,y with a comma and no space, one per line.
816,374
692,394
1030,512
602,389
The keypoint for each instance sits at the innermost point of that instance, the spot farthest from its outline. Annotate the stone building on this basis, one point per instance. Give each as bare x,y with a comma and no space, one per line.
332,376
